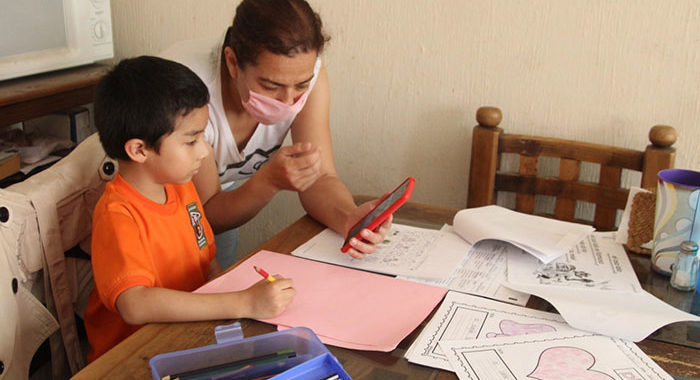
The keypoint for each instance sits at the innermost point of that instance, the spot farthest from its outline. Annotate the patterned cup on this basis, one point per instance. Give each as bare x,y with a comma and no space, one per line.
676,216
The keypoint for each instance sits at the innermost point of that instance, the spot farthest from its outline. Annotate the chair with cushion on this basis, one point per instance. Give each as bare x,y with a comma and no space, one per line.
563,191
44,285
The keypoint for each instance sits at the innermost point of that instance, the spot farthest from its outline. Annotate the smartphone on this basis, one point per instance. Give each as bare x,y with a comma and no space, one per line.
387,205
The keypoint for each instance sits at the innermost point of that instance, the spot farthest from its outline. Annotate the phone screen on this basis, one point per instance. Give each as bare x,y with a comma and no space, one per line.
386,203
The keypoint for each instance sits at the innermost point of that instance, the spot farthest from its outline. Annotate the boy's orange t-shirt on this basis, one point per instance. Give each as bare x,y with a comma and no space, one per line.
138,242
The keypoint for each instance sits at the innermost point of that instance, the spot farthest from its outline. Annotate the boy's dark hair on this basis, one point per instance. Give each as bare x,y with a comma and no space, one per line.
286,27
140,98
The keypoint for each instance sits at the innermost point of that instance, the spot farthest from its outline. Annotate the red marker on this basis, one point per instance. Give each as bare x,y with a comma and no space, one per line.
264,274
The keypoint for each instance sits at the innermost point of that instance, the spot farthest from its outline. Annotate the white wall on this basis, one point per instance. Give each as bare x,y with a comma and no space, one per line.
407,77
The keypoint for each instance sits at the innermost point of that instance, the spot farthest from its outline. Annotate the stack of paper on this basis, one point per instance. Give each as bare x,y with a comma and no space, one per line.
482,270
595,289
482,339
544,238
438,258
344,307
464,317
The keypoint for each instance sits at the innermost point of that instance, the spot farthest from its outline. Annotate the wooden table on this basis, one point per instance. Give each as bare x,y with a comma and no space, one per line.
129,359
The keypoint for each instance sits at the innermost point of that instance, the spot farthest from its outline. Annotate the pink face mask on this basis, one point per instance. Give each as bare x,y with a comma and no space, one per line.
271,111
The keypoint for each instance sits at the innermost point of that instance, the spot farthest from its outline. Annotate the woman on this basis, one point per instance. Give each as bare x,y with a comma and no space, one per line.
266,79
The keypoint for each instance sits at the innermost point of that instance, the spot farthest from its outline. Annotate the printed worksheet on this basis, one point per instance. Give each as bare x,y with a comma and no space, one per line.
596,262
463,316
406,250
551,356
595,289
481,271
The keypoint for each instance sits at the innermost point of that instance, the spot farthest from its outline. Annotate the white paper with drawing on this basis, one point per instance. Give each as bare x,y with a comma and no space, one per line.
595,289
481,271
409,251
545,238
596,262
462,316
551,356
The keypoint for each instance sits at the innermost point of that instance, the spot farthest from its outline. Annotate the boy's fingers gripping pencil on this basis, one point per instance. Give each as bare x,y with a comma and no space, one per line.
264,274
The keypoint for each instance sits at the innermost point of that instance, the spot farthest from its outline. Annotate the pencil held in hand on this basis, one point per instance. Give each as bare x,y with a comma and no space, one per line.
269,297
264,274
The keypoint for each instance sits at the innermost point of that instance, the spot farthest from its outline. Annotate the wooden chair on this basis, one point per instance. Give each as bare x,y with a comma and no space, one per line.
486,177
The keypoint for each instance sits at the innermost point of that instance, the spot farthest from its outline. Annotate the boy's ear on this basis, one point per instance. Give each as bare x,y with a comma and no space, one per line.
231,62
136,150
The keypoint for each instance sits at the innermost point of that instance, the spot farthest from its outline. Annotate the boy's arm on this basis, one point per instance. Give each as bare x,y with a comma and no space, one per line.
139,305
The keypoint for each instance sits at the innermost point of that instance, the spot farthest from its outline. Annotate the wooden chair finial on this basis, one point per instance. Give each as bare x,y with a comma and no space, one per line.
489,116
662,136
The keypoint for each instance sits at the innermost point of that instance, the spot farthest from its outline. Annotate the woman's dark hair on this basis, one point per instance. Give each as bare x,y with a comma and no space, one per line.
286,27
140,98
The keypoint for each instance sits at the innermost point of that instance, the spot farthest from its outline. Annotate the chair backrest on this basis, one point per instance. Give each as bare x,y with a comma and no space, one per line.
486,177
41,218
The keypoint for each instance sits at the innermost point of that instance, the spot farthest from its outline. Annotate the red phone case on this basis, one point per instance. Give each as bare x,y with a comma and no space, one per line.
387,205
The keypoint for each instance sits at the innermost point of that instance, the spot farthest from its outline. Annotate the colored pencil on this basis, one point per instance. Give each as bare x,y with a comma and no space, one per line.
264,274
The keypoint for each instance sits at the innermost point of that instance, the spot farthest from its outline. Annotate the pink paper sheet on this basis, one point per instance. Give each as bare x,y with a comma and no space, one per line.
344,307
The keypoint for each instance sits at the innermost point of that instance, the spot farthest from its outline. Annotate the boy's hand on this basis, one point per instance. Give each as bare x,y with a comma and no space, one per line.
294,167
269,299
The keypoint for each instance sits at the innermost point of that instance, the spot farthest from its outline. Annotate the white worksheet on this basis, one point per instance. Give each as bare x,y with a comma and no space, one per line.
551,356
545,238
406,250
463,316
481,271
612,303
597,262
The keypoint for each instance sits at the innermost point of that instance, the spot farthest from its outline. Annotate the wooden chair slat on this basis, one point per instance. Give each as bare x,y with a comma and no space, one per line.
564,209
581,191
604,216
575,150
528,167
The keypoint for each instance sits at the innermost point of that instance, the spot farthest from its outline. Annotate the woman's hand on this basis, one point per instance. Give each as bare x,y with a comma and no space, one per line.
269,299
294,167
370,239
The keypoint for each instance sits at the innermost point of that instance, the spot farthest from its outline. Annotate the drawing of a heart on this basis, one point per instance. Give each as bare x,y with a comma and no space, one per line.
511,328
566,363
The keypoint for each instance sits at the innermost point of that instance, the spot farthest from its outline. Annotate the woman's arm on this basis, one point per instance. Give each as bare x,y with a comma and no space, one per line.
293,168
328,200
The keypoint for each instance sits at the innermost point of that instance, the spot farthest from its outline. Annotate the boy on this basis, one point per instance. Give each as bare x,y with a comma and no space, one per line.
151,243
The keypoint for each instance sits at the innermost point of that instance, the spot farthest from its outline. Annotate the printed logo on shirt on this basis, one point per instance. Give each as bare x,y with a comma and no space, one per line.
196,221
251,163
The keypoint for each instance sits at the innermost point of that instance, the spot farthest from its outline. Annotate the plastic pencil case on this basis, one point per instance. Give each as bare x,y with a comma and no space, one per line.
312,360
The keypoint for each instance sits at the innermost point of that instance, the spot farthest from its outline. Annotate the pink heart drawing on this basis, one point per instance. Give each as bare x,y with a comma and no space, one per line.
566,363
510,328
